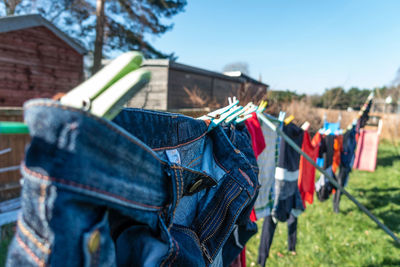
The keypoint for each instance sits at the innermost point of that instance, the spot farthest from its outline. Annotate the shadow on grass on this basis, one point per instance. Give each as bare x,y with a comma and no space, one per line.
376,198
387,161
379,197
385,262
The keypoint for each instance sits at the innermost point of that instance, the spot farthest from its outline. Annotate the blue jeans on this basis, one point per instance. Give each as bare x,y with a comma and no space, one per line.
148,189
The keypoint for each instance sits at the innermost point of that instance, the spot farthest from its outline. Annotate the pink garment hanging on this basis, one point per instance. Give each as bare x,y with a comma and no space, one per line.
367,150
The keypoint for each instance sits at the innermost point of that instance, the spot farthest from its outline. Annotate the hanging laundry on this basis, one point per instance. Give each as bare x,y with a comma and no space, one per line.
257,137
267,235
150,185
306,180
258,144
287,202
337,151
367,150
287,197
266,162
346,162
323,186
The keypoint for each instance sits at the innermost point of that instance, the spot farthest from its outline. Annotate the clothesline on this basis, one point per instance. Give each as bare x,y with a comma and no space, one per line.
298,149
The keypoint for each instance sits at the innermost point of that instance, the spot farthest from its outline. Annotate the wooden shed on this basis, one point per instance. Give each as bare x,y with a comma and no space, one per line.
36,60
178,86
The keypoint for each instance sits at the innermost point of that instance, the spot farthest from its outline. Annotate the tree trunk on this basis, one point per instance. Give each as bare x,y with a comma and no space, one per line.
11,5
98,44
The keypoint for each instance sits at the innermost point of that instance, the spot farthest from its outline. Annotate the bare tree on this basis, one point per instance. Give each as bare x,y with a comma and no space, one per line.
10,6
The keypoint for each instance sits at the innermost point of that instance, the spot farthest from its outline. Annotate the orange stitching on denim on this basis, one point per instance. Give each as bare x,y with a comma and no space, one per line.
246,177
177,192
172,147
33,239
232,196
189,170
218,212
220,242
177,252
215,213
222,215
189,232
112,128
182,183
194,160
194,165
228,187
74,184
219,164
30,252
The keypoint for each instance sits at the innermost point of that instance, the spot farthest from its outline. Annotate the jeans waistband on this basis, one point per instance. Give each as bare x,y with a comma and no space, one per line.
101,158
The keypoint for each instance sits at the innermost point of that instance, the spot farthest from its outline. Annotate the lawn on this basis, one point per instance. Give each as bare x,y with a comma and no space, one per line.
349,238
325,238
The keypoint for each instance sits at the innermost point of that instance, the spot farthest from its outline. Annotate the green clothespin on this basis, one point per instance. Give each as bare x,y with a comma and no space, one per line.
237,112
11,127
104,93
247,114
84,95
219,115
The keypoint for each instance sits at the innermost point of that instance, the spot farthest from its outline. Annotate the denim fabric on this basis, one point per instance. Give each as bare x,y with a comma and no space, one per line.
148,189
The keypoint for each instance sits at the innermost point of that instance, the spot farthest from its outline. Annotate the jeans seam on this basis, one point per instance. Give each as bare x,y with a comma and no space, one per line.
86,187
192,171
246,177
220,242
39,261
178,192
112,128
176,254
34,240
194,160
214,220
225,210
183,144
215,207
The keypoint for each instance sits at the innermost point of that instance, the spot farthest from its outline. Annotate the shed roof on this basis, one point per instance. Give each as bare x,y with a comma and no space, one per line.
20,22
236,77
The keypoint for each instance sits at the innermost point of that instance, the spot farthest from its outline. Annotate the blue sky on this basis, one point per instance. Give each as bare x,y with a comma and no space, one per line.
305,46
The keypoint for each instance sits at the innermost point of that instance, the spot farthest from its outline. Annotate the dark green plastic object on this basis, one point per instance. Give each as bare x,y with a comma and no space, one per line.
11,127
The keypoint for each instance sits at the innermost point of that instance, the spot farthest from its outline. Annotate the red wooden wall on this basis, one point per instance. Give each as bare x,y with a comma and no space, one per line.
34,62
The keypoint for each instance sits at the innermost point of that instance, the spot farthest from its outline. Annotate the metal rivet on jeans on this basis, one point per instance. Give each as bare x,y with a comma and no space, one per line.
195,186
94,241
237,151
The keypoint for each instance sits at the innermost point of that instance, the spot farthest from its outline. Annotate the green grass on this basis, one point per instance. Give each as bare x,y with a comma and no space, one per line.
349,238
7,232
325,238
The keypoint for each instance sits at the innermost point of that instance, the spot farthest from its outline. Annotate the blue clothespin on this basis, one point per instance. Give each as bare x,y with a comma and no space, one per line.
247,114
219,115
238,110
